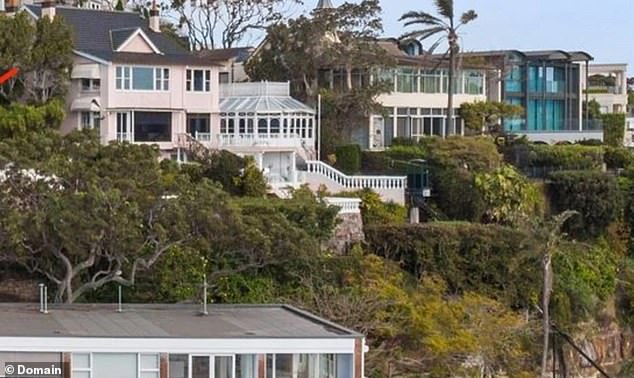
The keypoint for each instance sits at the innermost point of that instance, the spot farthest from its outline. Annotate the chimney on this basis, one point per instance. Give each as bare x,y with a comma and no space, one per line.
48,9
155,20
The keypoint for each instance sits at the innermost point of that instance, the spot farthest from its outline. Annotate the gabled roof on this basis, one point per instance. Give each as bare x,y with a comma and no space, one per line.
239,54
322,4
98,33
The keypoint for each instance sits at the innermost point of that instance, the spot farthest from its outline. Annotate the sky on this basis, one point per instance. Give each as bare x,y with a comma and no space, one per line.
604,29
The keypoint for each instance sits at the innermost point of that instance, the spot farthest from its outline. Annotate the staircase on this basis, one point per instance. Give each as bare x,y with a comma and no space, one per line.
390,188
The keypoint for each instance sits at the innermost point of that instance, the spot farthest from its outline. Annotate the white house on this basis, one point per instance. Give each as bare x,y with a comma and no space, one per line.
178,341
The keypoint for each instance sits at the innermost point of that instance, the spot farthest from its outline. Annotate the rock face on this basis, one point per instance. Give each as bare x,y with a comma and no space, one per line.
610,347
347,232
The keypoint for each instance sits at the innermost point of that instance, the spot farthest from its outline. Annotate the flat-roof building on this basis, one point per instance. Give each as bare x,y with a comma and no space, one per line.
179,341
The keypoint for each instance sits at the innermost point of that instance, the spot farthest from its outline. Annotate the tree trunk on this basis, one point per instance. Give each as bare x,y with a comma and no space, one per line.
546,313
450,125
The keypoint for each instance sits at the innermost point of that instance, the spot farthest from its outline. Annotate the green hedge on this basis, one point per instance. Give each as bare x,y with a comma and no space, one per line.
595,195
613,129
531,157
495,261
348,158
618,157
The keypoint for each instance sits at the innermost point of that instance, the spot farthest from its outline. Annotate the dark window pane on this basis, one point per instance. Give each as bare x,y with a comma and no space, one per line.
152,127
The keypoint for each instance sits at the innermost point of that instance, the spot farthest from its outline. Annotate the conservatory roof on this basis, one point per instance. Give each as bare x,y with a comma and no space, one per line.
263,104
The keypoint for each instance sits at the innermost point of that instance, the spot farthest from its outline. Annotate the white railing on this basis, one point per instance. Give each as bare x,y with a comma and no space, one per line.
203,137
356,182
346,205
242,140
263,88
124,137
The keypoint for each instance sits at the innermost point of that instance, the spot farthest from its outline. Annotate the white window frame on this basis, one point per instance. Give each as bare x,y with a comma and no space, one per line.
125,74
141,370
92,86
189,80
91,122
83,370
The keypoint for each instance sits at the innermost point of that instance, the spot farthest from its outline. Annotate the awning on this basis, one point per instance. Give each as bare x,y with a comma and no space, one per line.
85,71
91,104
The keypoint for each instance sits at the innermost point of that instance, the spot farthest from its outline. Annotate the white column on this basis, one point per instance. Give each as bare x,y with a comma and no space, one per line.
293,167
259,160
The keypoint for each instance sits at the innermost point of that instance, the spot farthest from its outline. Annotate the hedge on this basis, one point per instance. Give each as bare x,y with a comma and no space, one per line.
557,157
618,157
348,158
595,195
613,129
492,260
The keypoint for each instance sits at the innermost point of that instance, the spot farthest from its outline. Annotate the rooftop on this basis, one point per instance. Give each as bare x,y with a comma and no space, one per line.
165,321
99,33
570,56
260,97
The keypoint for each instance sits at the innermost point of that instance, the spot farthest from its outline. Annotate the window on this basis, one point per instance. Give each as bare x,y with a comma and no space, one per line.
123,75
223,77
283,366
198,80
407,80
149,365
162,79
198,126
246,365
223,367
108,365
200,367
142,78
474,83
81,365
262,126
178,366
430,81
327,366
90,85
152,126
89,120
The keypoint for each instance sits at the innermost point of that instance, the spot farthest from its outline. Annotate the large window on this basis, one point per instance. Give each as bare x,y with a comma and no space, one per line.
142,78
198,80
120,365
430,81
152,127
407,80
198,126
474,83
179,366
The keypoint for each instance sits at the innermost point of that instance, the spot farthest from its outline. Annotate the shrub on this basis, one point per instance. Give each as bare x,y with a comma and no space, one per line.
348,158
613,129
594,195
456,194
491,260
618,157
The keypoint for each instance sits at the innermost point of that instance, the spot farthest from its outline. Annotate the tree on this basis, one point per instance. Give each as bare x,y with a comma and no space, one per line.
212,24
553,239
509,196
307,51
42,52
448,29
483,116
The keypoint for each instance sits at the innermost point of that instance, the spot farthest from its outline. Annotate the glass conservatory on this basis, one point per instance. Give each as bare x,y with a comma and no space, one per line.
264,114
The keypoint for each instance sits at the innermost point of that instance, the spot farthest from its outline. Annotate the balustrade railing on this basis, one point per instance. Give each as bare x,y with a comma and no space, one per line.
203,137
346,205
356,182
276,140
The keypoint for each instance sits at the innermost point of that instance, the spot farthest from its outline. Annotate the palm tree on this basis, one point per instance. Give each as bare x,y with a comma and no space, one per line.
444,28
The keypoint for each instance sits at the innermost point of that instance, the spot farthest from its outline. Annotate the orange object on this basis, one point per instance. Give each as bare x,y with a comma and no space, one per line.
8,75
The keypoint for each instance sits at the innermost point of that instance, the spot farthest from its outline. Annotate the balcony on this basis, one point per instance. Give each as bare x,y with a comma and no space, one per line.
246,140
264,88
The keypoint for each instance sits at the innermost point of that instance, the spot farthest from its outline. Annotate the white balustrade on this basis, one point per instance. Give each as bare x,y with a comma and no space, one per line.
356,182
274,140
124,137
203,137
346,205
263,88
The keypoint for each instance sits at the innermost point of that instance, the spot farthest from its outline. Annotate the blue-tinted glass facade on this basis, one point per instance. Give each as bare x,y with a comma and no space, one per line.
547,90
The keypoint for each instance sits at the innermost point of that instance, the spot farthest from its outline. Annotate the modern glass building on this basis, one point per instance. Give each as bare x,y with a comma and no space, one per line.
547,84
